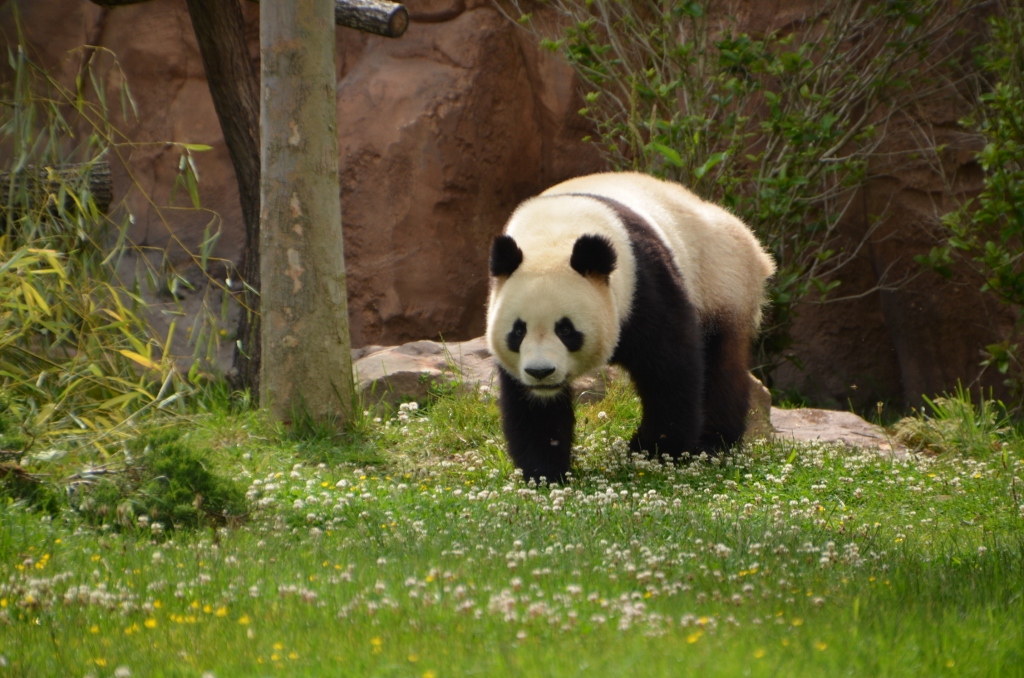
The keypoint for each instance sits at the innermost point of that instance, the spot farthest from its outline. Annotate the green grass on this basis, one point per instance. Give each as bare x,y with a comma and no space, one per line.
408,547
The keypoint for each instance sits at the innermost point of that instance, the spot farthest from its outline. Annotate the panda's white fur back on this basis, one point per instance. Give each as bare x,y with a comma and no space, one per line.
724,266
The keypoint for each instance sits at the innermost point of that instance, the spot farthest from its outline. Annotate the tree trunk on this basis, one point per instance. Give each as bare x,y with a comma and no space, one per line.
307,364
220,31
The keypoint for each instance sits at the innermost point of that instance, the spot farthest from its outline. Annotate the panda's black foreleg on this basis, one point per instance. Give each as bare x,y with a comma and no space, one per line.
538,430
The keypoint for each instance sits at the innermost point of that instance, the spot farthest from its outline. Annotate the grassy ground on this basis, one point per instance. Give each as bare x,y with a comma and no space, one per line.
410,549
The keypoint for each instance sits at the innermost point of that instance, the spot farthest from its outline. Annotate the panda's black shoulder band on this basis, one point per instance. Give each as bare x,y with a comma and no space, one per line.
505,256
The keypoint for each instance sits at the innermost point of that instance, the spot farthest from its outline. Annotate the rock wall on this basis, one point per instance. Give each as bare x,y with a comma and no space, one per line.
440,134
443,131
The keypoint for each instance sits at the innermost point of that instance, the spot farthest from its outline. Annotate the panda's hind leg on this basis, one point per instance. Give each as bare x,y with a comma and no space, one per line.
671,411
726,386
666,367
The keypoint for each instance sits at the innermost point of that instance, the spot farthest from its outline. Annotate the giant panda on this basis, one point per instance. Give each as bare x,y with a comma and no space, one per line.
627,269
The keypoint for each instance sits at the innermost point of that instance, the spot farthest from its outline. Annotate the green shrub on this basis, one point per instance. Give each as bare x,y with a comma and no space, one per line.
955,425
989,231
777,127
168,482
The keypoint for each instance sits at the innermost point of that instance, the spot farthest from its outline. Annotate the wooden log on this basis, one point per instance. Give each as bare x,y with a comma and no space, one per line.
379,17
41,182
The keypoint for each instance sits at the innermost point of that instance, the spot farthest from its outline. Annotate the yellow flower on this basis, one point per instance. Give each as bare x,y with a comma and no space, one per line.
759,652
797,622
207,608
950,663
221,612
94,629
150,623
429,674
785,642
157,604
244,619
99,662
694,637
293,655
279,646
414,658
820,645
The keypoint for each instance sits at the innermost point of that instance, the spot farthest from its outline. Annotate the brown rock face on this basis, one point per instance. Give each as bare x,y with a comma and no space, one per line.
441,134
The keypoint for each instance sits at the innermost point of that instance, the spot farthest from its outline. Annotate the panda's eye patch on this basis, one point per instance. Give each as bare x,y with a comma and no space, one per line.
516,336
570,336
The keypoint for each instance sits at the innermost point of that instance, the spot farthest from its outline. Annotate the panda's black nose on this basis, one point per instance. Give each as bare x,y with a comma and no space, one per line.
539,372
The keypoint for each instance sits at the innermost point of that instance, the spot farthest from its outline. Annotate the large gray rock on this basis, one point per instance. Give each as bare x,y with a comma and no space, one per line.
807,424
395,374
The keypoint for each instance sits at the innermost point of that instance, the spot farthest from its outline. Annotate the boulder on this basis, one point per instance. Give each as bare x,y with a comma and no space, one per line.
388,375
395,374
810,425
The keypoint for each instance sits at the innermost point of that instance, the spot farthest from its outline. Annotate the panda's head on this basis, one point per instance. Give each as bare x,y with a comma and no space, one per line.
552,319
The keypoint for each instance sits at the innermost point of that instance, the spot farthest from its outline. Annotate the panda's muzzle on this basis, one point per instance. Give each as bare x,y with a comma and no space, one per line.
539,373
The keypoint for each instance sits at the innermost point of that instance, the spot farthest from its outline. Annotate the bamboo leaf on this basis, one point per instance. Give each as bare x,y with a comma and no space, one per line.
140,359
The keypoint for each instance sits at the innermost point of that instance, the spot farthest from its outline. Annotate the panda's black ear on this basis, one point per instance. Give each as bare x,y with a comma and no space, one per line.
505,256
593,255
